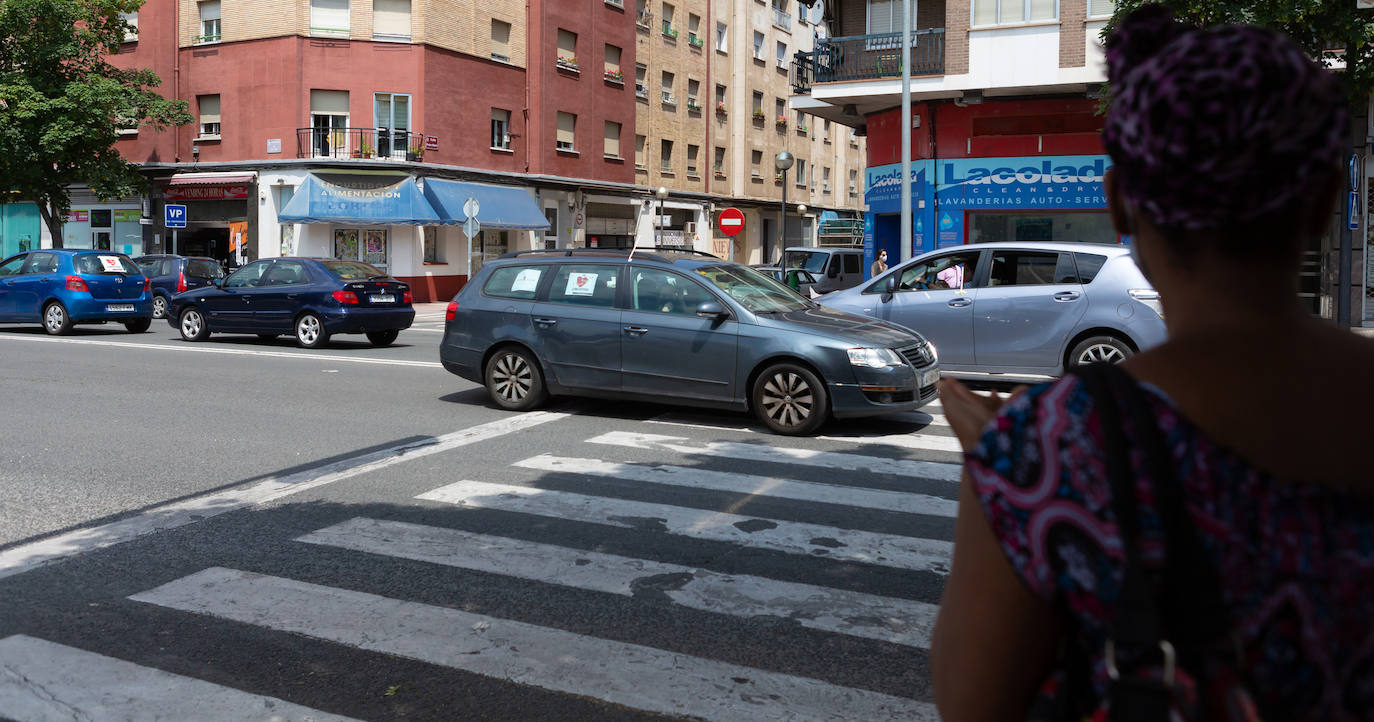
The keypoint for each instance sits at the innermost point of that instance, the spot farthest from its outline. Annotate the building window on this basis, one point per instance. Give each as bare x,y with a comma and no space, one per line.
758,105
208,107
694,30
722,38
612,140
434,251
567,49
329,123
668,21
641,81
209,21
391,117
718,165
825,179
391,20
758,45
640,160
329,18
801,173
668,98
782,55
1010,12
666,156
827,131
885,16
612,70
756,163
692,152
693,89
567,125
131,32
500,129
500,40
1101,8
853,182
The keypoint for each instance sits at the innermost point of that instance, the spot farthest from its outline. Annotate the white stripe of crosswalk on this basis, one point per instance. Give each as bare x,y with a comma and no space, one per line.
785,455
899,621
919,442
749,484
42,681
791,537
723,423
636,676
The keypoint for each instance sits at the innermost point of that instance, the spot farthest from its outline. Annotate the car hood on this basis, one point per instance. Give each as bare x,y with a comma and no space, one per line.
849,327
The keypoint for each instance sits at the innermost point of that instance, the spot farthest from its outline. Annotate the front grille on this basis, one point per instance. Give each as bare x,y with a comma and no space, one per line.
927,392
918,355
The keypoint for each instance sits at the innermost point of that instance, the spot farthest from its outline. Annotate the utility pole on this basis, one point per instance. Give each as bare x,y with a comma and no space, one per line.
906,130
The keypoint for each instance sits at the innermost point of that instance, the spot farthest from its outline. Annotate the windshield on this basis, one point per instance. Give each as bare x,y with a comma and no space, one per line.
105,263
753,290
353,270
812,261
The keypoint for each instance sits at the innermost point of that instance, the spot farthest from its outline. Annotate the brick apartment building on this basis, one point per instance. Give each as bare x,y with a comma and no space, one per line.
361,128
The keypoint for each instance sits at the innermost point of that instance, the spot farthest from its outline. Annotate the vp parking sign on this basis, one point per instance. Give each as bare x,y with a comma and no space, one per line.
174,216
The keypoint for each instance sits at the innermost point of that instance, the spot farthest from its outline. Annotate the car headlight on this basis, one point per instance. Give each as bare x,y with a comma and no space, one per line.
876,358
934,352
1148,297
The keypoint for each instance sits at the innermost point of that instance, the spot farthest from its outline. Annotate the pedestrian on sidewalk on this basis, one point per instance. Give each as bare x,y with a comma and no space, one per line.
879,266
1161,538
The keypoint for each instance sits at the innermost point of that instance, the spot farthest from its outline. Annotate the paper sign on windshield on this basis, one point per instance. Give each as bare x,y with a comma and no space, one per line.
112,264
526,280
581,284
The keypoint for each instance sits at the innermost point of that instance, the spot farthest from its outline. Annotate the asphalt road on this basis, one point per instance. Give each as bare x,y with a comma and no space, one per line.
240,529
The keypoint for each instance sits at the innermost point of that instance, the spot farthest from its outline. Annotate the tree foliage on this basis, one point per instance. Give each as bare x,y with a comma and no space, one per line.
1333,30
62,103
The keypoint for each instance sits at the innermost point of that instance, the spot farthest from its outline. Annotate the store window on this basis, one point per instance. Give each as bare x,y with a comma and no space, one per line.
1022,226
368,245
434,251
487,246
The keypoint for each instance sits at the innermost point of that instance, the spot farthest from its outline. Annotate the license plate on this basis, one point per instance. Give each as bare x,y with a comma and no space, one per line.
113,307
387,298
930,377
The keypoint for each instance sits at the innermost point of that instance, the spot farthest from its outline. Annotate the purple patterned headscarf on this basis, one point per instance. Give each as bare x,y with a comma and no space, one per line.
1217,126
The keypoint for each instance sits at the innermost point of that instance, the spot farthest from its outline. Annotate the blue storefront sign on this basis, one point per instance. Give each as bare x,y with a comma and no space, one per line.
942,190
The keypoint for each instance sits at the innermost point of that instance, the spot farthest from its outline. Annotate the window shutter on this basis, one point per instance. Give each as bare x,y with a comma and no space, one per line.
1041,10
334,102
328,15
612,139
883,16
566,123
391,18
612,58
209,10
209,108
567,44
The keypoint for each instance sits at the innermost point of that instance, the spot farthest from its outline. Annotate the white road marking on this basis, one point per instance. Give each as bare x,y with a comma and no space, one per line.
189,348
41,681
633,675
919,442
701,421
170,516
784,455
899,621
888,550
749,484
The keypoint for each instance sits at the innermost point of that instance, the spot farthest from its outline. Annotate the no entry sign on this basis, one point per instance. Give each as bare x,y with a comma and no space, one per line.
731,221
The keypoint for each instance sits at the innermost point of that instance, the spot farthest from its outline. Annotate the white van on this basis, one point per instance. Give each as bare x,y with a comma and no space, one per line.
834,268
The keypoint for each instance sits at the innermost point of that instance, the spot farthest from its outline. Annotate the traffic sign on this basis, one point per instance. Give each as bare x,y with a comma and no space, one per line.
174,216
470,209
731,221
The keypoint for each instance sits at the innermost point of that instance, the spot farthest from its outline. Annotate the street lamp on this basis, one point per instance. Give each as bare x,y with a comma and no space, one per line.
782,162
661,194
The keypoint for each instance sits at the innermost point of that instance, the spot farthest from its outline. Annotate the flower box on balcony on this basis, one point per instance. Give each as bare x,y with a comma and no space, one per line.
720,108
801,129
781,120
615,76
693,107
720,174
758,116
669,31
695,41
569,64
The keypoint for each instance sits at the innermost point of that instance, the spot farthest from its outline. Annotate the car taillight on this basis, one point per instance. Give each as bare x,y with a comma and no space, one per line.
451,311
181,282
147,284
345,297
74,283
407,297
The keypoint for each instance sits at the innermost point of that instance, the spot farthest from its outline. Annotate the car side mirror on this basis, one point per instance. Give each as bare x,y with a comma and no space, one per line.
890,287
713,310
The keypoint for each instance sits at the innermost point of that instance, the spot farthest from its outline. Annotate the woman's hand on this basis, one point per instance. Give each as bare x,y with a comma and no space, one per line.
968,412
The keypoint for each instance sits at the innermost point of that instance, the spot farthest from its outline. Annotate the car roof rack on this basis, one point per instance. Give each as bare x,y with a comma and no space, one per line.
651,252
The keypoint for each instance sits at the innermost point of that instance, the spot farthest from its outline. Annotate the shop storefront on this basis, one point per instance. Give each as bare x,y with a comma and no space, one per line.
105,227
21,228
220,213
610,223
974,200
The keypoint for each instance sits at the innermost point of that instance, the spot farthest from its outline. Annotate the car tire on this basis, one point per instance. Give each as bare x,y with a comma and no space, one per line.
513,379
790,399
310,331
138,325
56,321
383,338
192,325
1099,349
159,306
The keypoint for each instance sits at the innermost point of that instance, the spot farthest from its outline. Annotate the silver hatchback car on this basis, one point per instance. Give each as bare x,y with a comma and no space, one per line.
1018,310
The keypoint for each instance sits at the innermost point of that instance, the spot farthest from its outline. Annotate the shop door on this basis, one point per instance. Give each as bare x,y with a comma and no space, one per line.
100,240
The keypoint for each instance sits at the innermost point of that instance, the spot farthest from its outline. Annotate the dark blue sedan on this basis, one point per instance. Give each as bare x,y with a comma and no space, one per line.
61,287
174,274
312,298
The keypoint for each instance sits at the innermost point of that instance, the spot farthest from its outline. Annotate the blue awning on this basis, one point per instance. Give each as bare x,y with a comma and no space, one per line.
498,206
360,199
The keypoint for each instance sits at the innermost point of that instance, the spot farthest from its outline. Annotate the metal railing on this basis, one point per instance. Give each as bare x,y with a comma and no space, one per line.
372,143
782,19
868,57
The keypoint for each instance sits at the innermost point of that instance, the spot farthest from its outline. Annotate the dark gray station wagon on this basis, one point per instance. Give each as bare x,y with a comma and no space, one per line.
674,326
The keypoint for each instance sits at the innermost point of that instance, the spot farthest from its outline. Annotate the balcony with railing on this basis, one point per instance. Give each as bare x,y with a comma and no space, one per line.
781,18
868,57
360,143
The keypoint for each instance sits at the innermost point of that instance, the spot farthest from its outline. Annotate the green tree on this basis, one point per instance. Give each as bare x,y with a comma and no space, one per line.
62,103
1333,30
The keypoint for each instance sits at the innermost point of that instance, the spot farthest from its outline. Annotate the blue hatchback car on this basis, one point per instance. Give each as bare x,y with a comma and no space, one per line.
312,298
61,287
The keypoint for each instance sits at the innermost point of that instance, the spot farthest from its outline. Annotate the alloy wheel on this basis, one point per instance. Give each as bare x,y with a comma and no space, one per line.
191,323
308,329
55,318
788,399
512,378
159,307
1101,353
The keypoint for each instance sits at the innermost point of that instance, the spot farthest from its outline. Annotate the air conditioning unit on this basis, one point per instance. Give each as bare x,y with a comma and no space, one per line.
689,227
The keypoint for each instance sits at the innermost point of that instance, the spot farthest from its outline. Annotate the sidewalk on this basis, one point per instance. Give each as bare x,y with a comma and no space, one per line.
430,311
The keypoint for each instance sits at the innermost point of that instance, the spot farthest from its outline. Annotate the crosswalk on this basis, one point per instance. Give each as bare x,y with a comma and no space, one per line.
719,522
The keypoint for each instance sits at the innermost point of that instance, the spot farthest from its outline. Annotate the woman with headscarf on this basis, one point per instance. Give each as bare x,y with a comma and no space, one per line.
1227,145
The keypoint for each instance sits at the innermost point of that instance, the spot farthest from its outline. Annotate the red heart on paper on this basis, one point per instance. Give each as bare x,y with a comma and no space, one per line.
581,281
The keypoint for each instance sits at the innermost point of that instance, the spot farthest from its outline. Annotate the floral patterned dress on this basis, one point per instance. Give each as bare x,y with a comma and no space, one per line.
1296,562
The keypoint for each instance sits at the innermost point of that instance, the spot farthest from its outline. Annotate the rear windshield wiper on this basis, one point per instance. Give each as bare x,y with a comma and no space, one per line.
377,278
